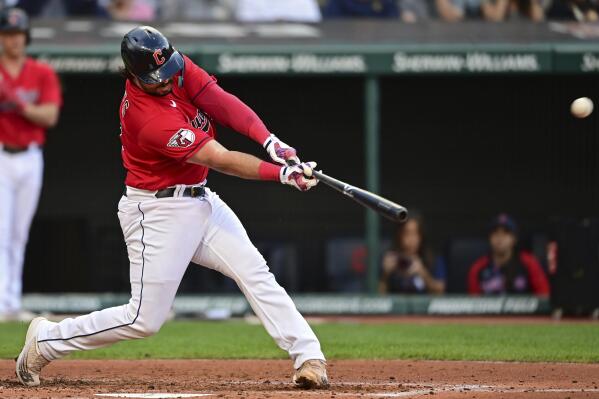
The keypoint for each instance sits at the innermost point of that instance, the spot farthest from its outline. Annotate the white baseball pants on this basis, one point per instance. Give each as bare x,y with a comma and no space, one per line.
20,186
162,237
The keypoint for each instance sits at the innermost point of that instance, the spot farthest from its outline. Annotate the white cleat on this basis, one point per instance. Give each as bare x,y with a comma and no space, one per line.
311,375
30,362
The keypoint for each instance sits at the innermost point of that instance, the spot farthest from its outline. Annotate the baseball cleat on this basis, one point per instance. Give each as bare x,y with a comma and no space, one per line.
30,362
311,375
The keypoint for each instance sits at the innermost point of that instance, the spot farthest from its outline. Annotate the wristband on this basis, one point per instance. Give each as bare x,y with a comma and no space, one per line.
269,171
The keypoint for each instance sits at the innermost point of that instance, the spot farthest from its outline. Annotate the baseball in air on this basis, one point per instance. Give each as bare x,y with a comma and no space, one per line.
582,107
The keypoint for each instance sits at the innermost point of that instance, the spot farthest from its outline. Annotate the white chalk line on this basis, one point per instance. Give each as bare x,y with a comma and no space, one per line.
154,395
417,389
478,388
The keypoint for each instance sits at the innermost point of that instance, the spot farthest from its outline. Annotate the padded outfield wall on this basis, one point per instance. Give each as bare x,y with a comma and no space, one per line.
473,121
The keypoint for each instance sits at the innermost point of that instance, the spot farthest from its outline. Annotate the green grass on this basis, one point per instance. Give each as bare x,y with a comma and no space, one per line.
236,339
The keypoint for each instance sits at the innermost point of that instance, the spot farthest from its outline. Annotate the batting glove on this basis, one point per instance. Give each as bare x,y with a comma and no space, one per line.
299,176
280,152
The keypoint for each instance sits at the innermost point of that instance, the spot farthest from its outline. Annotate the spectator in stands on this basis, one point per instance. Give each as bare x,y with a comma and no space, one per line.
533,10
414,10
277,10
131,10
8,3
82,8
505,270
408,266
458,10
579,10
62,8
216,10
361,8
33,8
490,10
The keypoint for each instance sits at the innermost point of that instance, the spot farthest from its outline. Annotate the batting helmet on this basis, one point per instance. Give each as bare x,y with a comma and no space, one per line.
148,55
15,20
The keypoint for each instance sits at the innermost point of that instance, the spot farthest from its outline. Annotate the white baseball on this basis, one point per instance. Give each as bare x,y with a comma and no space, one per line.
582,107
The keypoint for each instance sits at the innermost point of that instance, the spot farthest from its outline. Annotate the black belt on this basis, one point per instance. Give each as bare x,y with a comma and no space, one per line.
14,150
192,192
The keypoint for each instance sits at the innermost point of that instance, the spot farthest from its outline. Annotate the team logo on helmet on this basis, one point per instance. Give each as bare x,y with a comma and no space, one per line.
13,19
158,57
182,139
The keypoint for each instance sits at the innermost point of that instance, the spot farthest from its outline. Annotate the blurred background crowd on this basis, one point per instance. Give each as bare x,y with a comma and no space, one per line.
409,11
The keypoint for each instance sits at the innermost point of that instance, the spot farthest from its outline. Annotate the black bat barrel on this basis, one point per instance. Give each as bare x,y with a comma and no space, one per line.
388,209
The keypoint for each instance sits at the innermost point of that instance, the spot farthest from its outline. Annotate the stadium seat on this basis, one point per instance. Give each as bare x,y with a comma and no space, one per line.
461,253
346,263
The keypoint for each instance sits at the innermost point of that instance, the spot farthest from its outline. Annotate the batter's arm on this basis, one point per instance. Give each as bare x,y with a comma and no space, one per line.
246,166
230,111
235,163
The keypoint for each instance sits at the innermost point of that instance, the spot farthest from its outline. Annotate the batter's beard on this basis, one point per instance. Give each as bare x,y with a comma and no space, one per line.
162,95
154,91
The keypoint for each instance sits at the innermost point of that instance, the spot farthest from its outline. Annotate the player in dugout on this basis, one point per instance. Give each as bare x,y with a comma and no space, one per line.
505,270
170,218
30,100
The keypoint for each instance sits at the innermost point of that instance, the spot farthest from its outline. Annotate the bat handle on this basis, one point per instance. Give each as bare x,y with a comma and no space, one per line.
291,162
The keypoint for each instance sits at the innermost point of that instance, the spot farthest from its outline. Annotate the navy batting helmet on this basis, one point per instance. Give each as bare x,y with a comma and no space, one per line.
15,20
148,55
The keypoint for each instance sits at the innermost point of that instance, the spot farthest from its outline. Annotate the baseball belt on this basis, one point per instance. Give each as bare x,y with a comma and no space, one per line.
192,192
14,150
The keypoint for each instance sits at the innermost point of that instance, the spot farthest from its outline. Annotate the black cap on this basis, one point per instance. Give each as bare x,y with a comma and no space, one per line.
14,20
148,55
505,221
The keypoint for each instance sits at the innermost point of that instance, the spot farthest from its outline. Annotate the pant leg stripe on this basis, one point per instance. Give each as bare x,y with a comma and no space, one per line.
143,264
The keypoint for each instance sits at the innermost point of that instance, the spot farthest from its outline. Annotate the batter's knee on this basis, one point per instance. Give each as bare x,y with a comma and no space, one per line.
145,324
146,328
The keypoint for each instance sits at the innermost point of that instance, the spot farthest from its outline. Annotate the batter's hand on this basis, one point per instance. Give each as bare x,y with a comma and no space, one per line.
279,151
299,176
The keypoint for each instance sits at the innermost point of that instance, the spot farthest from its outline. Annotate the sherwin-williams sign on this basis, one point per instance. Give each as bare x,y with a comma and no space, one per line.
371,61
318,62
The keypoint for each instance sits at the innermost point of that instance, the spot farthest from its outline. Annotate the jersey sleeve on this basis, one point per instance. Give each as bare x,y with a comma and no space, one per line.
474,287
195,79
50,92
172,137
225,108
536,275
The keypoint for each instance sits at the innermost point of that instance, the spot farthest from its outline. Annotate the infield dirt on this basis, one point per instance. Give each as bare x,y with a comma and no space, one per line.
271,379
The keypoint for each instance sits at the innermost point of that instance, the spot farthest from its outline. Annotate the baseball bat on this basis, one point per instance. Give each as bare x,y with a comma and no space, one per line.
383,206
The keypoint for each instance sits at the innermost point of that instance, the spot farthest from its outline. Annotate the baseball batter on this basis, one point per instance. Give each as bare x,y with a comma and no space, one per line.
30,100
170,218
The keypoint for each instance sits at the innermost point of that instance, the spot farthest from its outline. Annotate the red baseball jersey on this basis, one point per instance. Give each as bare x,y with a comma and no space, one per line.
159,134
37,83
